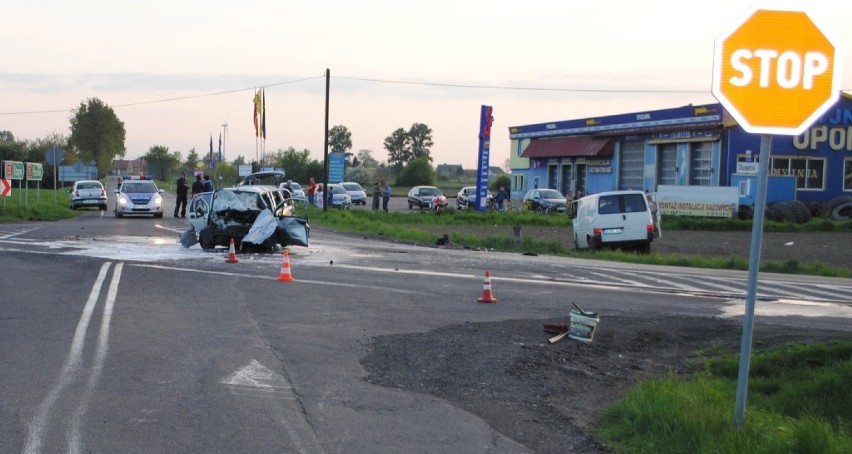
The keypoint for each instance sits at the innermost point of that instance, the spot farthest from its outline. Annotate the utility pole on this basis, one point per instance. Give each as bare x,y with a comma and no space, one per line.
224,136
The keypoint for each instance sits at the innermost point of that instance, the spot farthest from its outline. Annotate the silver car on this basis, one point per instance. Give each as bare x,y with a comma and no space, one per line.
87,193
356,192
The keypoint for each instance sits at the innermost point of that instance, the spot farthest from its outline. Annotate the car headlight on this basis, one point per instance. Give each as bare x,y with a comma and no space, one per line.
158,200
122,200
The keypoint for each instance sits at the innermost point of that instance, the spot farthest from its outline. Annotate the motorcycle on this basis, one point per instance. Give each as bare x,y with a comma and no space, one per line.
439,204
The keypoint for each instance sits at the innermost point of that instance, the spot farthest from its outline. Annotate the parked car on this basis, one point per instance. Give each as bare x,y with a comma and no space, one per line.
356,192
615,219
422,196
466,198
545,201
267,177
253,215
136,197
295,189
337,197
87,193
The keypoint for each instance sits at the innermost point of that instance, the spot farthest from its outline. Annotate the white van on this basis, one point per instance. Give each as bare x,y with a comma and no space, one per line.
616,219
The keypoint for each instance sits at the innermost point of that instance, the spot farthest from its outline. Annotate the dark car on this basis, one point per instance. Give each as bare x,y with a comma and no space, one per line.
422,196
545,201
250,215
466,198
267,177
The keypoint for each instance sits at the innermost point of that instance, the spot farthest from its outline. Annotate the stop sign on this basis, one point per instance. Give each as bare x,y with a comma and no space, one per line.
775,72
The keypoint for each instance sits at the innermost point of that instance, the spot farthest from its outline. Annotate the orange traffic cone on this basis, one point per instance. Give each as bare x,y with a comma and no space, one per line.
487,296
285,275
232,255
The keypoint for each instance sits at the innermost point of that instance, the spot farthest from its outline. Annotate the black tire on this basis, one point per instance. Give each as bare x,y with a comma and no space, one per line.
745,212
817,209
785,211
644,248
840,208
803,214
591,242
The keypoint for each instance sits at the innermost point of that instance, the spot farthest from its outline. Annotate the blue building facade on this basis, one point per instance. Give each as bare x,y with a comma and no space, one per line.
699,145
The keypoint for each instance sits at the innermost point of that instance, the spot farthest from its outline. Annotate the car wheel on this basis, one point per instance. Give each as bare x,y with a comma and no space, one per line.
117,214
410,206
158,215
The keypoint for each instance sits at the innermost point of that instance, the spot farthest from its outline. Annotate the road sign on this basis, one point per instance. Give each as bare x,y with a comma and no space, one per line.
35,171
775,72
13,170
54,155
5,188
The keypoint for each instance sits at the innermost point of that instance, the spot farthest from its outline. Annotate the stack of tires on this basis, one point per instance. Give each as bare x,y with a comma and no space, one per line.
840,208
798,212
793,211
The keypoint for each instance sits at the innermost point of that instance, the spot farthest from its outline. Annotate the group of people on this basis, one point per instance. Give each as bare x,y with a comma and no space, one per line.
201,184
383,193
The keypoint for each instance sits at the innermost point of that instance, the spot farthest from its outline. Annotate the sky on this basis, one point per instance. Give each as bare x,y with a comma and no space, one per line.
175,72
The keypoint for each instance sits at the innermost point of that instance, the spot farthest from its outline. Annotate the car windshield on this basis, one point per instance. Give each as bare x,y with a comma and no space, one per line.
429,191
353,187
139,187
551,194
237,200
295,186
89,185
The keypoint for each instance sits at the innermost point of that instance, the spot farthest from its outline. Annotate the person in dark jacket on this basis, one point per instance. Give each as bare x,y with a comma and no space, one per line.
182,189
198,186
208,185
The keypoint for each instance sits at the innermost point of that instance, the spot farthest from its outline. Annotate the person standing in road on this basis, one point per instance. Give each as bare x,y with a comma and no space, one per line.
208,185
198,186
182,189
377,192
312,190
386,194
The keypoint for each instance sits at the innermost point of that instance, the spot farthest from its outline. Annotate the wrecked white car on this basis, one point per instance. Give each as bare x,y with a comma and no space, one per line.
254,216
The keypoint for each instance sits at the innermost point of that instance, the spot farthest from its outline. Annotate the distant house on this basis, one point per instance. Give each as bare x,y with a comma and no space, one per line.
449,169
495,171
127,167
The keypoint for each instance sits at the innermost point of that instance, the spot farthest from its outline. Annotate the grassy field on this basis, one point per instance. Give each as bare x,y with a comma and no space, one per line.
799,401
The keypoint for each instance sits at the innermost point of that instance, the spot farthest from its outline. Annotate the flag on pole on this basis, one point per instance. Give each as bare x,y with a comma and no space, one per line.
212,162
263,114
220,147
258,111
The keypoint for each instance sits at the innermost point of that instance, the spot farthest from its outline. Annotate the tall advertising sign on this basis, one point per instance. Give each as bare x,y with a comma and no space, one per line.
485,120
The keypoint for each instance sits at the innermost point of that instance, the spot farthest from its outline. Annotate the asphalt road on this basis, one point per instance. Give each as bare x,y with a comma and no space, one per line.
116,339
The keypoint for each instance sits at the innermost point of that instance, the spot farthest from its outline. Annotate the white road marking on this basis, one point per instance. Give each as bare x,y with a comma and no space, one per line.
70,368
74,442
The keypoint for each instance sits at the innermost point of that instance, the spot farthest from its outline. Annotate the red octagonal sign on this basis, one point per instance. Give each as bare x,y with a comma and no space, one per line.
775,72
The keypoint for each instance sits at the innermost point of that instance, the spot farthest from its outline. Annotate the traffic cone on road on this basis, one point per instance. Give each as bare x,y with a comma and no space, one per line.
487,296
232,254
285,275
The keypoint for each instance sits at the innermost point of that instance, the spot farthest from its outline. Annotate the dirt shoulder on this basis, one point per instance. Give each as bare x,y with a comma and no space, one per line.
545,396
549,397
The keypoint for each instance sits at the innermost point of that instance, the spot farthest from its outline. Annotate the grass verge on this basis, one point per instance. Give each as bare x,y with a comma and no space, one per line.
799,400
420,228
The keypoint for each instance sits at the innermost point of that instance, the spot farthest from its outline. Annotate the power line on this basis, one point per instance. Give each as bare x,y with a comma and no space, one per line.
386,81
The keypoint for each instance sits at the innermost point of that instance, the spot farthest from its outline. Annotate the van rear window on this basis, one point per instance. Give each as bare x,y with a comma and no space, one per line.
621,203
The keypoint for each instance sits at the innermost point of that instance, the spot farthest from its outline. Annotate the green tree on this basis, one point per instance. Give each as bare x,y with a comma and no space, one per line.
420,141
161,163
298,165
340,139
191,162
366,159
397,145
97,134
418,171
